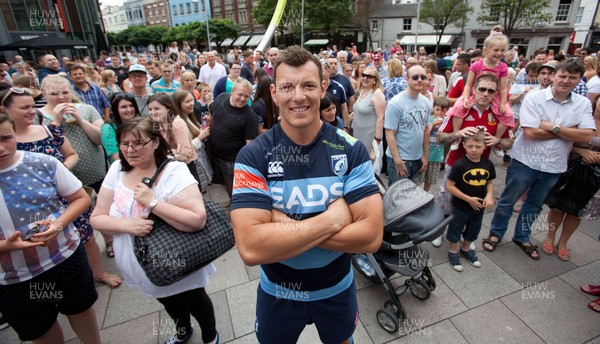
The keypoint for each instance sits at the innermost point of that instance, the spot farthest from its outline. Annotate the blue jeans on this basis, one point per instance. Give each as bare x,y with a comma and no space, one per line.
520,178
413,168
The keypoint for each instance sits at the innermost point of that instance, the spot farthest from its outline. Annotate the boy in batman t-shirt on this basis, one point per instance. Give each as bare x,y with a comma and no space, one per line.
470,182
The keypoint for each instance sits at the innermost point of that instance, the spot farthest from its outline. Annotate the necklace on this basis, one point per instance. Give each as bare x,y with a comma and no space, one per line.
364,95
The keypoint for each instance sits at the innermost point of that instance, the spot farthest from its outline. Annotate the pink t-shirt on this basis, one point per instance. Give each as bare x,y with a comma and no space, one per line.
479,68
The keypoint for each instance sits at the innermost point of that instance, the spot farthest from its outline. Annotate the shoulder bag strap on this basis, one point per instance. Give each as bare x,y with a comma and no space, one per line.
150,181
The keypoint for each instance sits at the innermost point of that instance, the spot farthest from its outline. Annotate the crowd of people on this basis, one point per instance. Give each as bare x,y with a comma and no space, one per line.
297,139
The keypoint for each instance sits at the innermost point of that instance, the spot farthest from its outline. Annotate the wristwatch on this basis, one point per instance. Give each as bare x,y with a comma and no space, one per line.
152,204
556,129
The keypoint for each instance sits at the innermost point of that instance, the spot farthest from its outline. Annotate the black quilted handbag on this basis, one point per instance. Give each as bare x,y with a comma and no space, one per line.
167,255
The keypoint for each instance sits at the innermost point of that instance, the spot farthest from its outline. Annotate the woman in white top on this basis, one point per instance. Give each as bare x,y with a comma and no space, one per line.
122,208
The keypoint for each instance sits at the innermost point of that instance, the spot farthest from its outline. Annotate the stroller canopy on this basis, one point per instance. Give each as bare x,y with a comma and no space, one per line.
401,199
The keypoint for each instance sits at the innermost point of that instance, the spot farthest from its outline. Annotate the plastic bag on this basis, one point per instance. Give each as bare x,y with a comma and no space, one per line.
376,156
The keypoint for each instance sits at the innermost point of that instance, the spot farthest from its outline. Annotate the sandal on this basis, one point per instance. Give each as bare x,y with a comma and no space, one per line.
590,289
112,281
528,249
595,305
109,250
547,247
491,243
563,254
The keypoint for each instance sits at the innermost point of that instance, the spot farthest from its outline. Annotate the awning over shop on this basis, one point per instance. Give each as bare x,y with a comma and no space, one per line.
227,42
255,40
316,42
426,40
241,40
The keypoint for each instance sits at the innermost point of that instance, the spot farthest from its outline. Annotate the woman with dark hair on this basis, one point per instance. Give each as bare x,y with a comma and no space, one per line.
264,106
328,112
198,133
40,246
123,107
167,117
122,209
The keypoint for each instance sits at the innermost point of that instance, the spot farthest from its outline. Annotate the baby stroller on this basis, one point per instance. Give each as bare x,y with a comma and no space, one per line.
411,216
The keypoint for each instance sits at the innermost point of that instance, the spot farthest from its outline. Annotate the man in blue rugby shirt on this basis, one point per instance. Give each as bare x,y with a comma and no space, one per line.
304,198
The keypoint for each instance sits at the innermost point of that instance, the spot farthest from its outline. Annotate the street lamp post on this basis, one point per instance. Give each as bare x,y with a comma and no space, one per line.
205,12
418,18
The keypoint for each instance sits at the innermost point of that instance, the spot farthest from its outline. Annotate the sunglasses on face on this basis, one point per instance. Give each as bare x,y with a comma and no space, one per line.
416,77
368,76
485,89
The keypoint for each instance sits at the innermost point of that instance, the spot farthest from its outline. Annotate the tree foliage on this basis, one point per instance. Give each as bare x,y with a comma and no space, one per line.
364,9
513,14
192,32
443,13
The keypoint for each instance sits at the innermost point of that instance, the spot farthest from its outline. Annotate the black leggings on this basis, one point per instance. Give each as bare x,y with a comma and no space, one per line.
197,303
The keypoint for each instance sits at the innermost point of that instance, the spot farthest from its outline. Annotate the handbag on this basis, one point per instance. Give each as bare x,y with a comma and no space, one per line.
168,255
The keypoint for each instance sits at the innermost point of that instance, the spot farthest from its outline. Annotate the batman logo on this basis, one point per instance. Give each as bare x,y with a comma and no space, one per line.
476,177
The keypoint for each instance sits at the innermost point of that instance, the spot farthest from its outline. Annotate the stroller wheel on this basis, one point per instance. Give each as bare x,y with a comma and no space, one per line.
399,312
419,289
428,279
387,320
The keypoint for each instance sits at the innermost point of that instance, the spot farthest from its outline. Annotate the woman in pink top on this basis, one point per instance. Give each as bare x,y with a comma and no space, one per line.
167,120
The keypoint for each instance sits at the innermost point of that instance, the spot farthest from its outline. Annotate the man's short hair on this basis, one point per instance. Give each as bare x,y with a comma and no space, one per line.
115,55
441,102
75,66
572,66
295,56
532,67
486,77
243,84
588,50
464,58
153,63
476,53
167,64
247,54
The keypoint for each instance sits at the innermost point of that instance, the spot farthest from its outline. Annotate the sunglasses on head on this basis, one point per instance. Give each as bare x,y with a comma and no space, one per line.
416,77
485,89
17,90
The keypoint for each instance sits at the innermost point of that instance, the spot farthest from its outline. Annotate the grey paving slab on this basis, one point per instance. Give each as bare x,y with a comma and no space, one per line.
253,272
555,311
476,286
218,194
100,308
588,274
242,305
222,320
594,341
442,332
582,249
247,339
523,269
590,228
231,271
128,303
442,304
493,323
8,335
142,330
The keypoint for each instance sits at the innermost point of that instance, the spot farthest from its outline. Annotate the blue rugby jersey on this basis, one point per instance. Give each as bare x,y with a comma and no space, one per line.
301,181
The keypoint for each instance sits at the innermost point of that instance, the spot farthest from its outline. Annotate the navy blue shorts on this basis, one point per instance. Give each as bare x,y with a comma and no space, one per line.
31,307
282,321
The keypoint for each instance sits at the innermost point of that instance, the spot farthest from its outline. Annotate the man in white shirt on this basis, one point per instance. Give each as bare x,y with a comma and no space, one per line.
212,71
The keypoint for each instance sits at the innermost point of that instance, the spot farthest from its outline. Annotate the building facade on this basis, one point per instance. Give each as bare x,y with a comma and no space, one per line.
189,11
157,13
397,19
134,12
115,18
238,11
78,20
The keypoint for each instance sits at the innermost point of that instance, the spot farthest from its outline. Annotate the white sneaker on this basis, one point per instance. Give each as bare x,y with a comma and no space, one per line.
437,242
472,246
